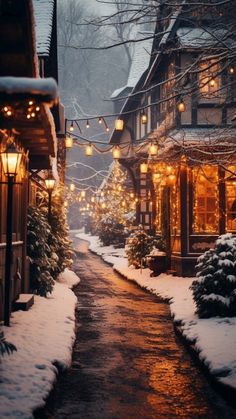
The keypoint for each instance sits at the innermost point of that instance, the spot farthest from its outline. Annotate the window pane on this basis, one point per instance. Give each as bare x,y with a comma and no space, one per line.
205,200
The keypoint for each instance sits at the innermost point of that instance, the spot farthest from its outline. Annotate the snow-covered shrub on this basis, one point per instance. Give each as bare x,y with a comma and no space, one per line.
59,241
5,346
139,246
39,252
110,231
214,290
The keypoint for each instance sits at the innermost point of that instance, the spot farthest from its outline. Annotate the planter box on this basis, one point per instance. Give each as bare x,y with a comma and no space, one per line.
157,263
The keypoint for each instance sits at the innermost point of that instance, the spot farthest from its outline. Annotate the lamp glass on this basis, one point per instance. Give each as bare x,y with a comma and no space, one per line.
69,142
89,150
116,152
143,168
50,183
119,124
153,149
181,106
11,159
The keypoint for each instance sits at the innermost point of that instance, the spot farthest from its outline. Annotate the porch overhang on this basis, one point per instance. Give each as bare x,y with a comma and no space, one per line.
29,101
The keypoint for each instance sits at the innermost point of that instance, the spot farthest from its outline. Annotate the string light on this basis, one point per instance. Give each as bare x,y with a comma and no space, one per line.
71,127
143,168
116,152
87,124
119,124
153,149
89,150
68,142
83,194
231,69
72,187
99,120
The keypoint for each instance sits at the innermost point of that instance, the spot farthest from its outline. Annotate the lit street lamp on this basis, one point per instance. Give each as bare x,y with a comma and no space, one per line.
50,183
11,159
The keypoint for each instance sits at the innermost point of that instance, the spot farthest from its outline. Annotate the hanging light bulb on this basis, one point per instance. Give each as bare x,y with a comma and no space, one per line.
72,187
181,106
144,118
92,199
83,194
231,69
153,149
87,124
100,120
119,124
107,129
89,150
116,152
71,129
5,108
143,168
103,205
68,141
132,195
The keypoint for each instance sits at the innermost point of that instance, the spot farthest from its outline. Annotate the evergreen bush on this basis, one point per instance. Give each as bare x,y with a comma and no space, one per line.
110,231
214,290
5,346
139,246
39,252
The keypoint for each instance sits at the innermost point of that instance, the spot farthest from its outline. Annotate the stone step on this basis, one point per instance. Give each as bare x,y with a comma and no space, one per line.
24,302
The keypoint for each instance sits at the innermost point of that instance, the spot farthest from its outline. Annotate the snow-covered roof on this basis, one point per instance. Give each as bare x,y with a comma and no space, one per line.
204,37
202,135
140,61
30,86
43,13
119,91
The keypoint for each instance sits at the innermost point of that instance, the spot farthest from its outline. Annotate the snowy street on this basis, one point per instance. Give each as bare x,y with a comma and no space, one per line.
127,361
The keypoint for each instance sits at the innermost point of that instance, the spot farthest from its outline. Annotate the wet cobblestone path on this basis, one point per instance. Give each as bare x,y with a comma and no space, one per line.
127,361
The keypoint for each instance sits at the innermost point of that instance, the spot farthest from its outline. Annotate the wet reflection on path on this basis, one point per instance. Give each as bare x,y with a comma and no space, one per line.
127,361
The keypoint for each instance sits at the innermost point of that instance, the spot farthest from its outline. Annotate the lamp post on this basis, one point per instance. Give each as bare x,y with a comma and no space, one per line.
50,183
11,159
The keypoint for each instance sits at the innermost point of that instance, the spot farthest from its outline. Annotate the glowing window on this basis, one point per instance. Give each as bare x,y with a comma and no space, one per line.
205,200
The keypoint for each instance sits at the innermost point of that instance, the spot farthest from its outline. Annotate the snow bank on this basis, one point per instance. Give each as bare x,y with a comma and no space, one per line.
44,335
215,338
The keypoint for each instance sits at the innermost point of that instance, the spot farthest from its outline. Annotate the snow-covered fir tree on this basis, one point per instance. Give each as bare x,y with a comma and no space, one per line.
214,290
115,204
39,252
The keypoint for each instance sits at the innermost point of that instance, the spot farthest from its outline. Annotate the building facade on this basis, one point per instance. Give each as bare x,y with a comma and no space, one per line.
183,105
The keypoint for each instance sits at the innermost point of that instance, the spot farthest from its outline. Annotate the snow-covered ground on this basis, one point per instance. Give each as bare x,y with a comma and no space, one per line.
44,335
215,338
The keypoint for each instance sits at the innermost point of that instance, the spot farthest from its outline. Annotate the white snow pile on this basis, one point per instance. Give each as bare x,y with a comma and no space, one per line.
215,338
26,85
44,335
